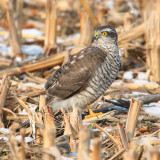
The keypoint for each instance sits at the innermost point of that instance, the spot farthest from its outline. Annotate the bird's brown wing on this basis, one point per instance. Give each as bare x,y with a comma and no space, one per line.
75,74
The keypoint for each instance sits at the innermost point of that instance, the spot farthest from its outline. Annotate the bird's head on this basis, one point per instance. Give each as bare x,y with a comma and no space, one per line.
105,35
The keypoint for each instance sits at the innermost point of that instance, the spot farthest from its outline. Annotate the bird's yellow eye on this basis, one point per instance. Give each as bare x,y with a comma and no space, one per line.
104,33
96,34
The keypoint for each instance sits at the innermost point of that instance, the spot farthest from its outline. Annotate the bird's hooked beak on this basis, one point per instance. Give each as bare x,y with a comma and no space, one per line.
96,36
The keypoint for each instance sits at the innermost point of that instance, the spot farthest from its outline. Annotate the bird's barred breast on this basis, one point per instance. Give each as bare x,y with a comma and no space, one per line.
105,75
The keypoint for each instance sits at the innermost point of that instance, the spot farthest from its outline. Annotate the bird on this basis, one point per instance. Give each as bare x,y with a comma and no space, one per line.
87,74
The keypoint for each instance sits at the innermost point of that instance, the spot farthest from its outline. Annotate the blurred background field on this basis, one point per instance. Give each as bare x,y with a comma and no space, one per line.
36,38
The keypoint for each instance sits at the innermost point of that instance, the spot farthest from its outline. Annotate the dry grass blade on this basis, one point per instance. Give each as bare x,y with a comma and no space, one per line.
48,118
88,10
109,136
130,34
123,136
132,117
40,115
9,111
4,88
76,118
68,129
27,109
118,154
10,117
42,103
138,86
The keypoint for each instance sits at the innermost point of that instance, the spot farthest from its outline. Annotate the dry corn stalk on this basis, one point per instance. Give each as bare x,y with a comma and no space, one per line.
48,142
84,143
132,117
4,88
86,28
14,16
51,27
152,34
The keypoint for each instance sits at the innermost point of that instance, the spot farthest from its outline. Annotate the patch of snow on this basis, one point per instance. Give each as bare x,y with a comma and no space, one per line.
128,75
27,139
145,140
4,130
71,37
60,40
138,93
65,158
118,82
91,144
101,102
152,109
18,138
73,154
29,84
108,129
31,49
42,85
4,138
23,112
109,4
32,31
142,76
1,28
86,124
157,104
32,109
133,10
29,40
70,47
31,57
4,37
143,82
5,50
18,59
121,52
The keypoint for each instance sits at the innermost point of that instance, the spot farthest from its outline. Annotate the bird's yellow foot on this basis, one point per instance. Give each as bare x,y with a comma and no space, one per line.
91,113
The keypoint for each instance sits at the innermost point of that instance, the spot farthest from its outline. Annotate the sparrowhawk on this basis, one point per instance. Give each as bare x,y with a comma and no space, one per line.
87,74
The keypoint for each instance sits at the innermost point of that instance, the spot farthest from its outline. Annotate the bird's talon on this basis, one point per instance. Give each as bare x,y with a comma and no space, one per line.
91,113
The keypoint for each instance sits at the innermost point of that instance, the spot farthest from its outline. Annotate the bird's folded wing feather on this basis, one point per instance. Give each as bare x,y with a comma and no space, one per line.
74,76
